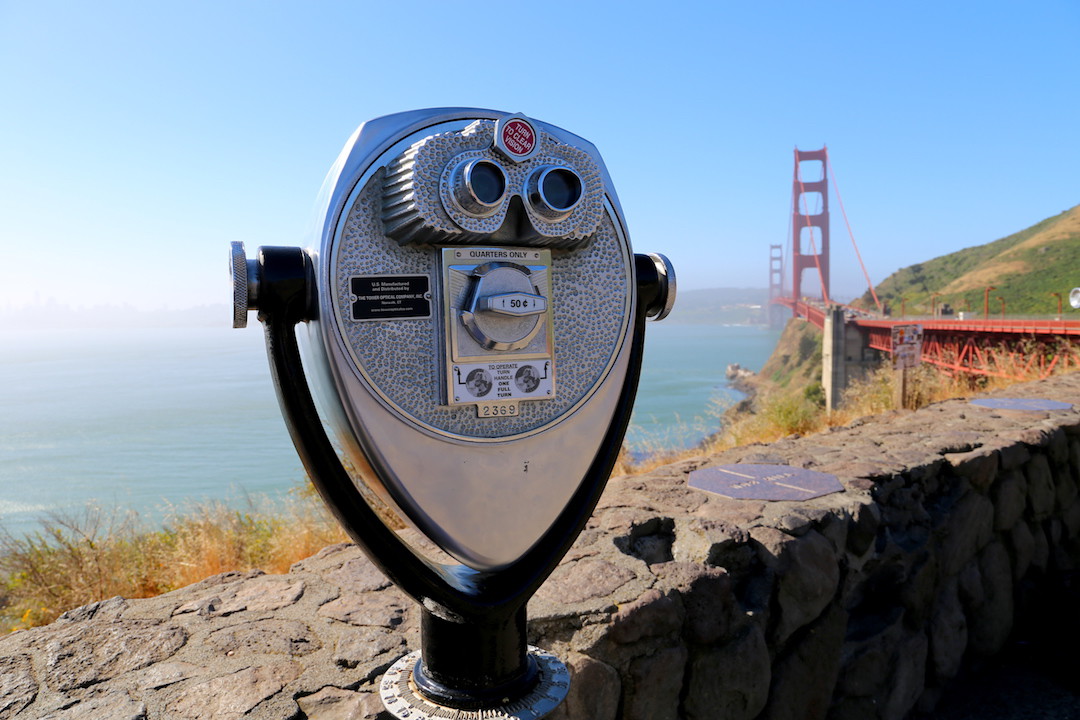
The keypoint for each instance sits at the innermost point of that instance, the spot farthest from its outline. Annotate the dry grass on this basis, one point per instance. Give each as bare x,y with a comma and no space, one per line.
981,277
78,559
783,413
1066,227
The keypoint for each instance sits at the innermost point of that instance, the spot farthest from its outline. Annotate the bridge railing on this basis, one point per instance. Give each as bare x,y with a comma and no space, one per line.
1030,325
1016,346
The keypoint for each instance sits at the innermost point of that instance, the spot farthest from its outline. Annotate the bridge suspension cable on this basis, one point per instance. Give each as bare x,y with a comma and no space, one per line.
836,188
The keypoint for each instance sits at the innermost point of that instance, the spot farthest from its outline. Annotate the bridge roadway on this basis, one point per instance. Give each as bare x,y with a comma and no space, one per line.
1012,347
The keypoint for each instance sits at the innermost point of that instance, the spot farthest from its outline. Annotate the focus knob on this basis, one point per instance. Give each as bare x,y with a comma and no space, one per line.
245,285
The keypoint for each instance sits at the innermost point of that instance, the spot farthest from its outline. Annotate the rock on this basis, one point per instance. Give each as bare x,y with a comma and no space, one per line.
851,708
964,530
85,653
205,606
652,615
332,703
586,579
803,678
917,591
1054,530
111,609
264,595
795,520
281,637
1066,491
1022,543
1071,520
708,600
210,591
909,679
595,688
382,609
867,660
807,576
970,586
166,673
979,466
834,527
730,681
113,706
991,621
1013,455
1057,446
366,645
231,696
865,520
18,687
948,633
904,509
1040,554
656,683
711,542
1041,493
648,540
1010,499
261,594
327,560
358,575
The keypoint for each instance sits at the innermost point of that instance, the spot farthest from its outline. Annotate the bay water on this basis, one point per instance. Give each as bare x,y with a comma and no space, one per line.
157,419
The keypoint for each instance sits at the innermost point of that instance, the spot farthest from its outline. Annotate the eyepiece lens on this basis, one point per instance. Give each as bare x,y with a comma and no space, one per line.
487,182
478,187
562,188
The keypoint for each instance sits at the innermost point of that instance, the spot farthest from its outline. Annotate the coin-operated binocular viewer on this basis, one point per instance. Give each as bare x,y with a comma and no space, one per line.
474,326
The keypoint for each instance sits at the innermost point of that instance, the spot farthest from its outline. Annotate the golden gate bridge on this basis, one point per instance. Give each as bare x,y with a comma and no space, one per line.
1000,346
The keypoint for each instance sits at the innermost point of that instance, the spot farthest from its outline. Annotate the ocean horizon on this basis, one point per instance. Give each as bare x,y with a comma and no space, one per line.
156,419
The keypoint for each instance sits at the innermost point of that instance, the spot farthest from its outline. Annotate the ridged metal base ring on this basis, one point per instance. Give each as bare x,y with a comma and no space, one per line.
402,700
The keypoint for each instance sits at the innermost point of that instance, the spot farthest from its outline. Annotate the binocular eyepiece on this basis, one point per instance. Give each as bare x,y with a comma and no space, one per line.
479,187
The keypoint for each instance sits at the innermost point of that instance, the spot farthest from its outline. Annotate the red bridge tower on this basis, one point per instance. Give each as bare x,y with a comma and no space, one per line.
816,225
776,286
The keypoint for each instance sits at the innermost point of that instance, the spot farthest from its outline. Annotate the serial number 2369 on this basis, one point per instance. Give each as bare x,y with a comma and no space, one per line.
493,410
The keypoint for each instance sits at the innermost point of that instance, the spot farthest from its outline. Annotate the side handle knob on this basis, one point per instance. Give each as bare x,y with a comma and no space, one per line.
245,284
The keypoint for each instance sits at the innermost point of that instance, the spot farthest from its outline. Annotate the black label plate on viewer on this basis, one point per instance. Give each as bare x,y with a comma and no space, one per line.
390,297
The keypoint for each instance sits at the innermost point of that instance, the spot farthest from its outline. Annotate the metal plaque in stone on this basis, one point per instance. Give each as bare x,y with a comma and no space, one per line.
1023,404
764,482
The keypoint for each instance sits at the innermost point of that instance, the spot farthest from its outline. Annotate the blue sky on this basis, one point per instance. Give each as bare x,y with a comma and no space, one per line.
138,139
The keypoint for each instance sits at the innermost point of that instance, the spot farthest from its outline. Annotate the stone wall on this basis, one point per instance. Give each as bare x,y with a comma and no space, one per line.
674,603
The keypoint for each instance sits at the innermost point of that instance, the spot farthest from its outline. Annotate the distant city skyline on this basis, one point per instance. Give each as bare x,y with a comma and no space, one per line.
139,140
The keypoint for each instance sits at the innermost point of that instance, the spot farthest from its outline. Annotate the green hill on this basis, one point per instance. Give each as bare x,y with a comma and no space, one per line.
1024,268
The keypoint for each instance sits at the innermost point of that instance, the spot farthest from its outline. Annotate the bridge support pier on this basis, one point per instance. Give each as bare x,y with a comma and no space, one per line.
845,356
833,366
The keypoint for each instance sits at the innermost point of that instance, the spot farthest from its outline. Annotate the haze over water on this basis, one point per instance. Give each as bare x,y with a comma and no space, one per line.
150,418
